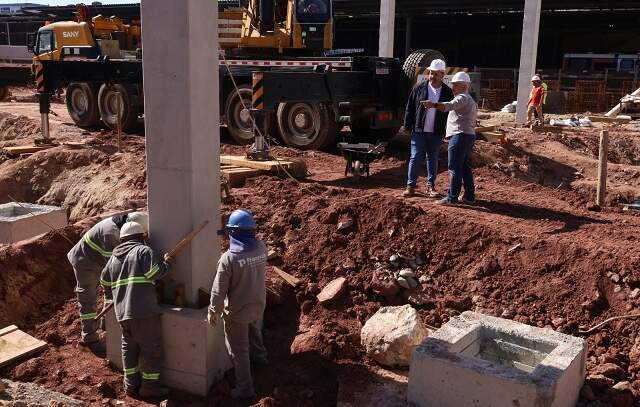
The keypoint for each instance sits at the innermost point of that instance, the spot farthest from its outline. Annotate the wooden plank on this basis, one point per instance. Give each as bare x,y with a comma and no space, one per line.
494,137
15,344
237,176
286,276
485,129
604,119
16,151
295,167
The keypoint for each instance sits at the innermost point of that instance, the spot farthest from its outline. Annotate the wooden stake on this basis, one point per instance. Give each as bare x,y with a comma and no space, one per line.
119,120
602,168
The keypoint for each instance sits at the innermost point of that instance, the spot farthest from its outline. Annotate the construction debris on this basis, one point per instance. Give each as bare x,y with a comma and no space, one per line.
392,333
15,344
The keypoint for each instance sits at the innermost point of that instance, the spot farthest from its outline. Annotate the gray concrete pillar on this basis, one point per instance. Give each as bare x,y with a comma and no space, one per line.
180,59
387,27
528,55
407,35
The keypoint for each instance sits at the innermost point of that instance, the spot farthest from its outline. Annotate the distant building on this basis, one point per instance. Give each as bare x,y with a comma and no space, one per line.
13,8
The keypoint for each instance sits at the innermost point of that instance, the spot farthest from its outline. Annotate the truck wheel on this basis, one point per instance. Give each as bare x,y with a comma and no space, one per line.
82,104
108,106
364,133
420,58
238,115
307,126
4,92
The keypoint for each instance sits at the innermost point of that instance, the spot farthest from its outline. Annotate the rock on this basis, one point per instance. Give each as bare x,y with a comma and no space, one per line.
346,224
634,294
424,279
419,296
272,254
617,288
387,288
615,278
407,273
332,290
621,395
392,333
599,382
556,322
507,313
611,371
404,283
587,393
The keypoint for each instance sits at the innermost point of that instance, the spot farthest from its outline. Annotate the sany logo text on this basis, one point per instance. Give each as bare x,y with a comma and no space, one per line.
70,34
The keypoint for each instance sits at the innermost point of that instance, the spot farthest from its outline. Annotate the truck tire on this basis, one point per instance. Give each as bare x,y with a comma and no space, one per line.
82,104
420,58
239,121
107,104
364,133
307,126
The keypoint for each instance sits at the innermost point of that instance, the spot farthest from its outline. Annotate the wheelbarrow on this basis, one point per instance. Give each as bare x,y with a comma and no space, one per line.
359,156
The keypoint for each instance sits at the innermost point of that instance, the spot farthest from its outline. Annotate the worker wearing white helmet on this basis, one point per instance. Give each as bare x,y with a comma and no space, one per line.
88,257
534,105
427,127
128,280
461,122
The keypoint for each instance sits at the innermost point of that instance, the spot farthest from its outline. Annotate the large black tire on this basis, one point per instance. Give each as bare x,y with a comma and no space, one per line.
420,58
307,126
238,116
82,104
107,104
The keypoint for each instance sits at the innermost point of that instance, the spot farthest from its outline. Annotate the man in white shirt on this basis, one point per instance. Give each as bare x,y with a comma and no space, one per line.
427,127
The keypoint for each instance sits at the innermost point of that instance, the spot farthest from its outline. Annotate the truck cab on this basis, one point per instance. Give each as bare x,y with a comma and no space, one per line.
64,40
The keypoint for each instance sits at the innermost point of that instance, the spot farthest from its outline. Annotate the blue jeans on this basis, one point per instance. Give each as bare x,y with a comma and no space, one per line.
424,147
460,147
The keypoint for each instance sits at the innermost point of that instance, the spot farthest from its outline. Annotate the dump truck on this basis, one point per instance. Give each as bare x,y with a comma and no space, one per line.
286,37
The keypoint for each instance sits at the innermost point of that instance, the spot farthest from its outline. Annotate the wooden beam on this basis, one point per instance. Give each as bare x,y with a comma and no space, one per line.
604,119
16,151
297,168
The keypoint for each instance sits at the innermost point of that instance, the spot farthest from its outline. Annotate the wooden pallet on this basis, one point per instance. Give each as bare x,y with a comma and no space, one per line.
15,344
236,176
236,169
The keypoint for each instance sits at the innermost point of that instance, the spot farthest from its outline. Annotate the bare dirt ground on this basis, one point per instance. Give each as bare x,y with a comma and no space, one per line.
529,250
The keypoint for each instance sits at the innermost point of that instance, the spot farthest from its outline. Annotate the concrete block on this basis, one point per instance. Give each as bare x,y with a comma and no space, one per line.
195,353
18,221
483,361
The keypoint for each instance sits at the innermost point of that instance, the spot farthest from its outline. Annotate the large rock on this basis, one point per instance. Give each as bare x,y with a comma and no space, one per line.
390,335
332,290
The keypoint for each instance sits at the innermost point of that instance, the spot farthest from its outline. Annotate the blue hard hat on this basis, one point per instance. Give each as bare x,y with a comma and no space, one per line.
241,219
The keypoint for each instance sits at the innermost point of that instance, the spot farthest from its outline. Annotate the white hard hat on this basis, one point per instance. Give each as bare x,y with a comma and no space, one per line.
535,78
461,77
139,217
438,65
131,229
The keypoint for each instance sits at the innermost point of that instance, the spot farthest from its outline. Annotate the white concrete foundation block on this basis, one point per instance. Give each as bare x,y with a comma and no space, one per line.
482,361
195,353
24,221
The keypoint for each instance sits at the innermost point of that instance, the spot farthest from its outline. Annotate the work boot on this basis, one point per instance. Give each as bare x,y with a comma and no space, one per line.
239,394
131,391
431,192
153,392
445,201
409,192
467,201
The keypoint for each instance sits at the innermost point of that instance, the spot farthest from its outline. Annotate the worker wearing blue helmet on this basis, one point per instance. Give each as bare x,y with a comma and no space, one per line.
238,295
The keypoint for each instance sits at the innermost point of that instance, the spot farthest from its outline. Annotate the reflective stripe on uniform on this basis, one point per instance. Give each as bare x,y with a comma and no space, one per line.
151,376
130,371
152,271
91,315
131,280
95,247
106,283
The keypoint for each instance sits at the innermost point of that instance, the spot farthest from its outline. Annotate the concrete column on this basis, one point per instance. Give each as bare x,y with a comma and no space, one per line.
180,60
528,55
387,26
407,35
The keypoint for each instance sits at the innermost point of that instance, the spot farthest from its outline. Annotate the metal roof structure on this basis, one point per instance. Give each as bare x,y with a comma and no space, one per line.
421,7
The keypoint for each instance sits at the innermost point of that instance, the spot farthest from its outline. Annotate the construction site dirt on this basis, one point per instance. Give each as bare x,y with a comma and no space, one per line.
529,250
